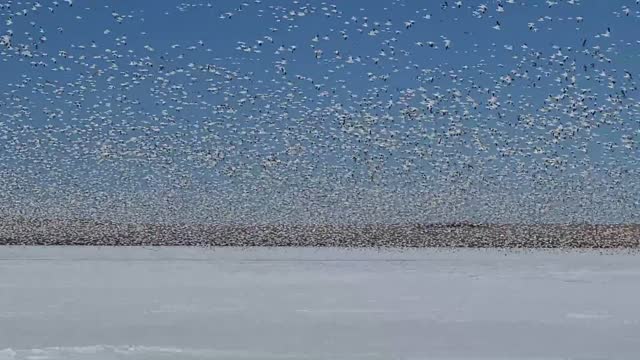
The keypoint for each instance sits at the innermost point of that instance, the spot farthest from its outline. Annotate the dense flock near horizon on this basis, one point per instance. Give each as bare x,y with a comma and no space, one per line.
257,111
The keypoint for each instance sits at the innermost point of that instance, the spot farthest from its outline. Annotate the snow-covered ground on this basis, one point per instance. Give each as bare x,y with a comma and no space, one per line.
188,303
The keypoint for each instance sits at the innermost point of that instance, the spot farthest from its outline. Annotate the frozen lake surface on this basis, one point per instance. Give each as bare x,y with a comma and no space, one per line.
189,303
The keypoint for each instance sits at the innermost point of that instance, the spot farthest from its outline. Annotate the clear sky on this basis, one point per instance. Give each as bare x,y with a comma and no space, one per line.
321,111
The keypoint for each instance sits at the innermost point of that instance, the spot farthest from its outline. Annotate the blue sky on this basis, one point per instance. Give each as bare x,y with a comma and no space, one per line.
169,97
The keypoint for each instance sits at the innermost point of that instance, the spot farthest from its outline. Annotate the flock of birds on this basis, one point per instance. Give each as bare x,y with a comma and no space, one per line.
494,111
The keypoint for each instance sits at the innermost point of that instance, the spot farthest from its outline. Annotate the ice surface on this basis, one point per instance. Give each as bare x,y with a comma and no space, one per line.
189,303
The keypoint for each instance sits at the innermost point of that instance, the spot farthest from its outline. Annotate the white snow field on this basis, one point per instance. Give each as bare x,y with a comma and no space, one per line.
191,303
